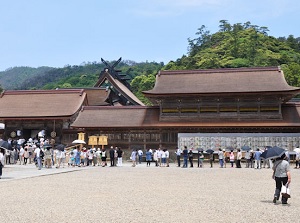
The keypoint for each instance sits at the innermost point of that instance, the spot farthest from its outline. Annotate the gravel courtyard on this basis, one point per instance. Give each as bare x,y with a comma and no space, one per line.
148,194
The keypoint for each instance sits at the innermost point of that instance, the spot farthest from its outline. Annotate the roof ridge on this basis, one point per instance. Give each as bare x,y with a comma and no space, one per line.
220,70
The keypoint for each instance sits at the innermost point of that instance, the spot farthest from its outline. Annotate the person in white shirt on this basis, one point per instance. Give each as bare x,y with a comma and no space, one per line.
178,154
163,157
38,158
21,155
167,156
140,154
58,158
159,153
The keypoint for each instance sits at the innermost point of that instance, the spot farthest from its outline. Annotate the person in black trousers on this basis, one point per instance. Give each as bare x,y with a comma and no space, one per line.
112,156
191,158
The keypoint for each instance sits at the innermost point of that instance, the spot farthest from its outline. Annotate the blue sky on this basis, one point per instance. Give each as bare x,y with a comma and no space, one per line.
60,32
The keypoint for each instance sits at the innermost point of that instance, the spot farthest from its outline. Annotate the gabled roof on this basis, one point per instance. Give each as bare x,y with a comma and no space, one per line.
97,96
121,88
217,81
148,117
28,104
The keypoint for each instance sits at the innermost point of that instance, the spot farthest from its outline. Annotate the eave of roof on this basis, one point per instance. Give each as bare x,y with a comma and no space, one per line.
148,117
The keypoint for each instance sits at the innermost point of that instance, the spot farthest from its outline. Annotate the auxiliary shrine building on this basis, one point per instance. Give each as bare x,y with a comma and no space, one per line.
217,108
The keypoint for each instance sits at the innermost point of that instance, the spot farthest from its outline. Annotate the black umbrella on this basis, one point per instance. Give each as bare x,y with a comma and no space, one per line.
246,148
46,145
272,153
60,147
200,150
5,145
210,151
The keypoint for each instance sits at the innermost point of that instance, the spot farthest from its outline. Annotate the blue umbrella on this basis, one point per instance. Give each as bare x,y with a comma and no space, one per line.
272,153
5,145
245,148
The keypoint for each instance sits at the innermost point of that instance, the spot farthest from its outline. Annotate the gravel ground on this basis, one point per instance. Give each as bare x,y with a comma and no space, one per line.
148,194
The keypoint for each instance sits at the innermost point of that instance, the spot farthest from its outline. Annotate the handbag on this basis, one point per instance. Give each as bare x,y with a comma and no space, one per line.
285,191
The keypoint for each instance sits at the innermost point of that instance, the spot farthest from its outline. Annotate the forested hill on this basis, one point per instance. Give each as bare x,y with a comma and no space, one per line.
13,78
241,45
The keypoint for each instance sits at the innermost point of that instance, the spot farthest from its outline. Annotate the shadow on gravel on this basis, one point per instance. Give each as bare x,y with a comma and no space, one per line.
278,203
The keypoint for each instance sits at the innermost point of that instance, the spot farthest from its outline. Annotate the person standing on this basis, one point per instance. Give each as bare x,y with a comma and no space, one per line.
191,157
120,156
282,176
247,157
37,153
155,157
112,156
133,157
159,154
257,164
103,158
48,158
167,156
140,155
238,158
148,157
178,154
7,157
200,158
221,157
21,155
231,158
1,161
185,157
297,160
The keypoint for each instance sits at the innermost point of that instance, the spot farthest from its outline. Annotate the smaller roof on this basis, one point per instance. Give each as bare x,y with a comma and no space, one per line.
217,81
97,96
41,103
123,90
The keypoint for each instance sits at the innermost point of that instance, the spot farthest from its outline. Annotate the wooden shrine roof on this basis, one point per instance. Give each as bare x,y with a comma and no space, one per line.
148,117
121,88
31,104
220,81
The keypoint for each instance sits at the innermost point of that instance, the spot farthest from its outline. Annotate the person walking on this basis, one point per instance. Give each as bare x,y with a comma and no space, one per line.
155,157
282,176
167,157
1,161
178,154
120,156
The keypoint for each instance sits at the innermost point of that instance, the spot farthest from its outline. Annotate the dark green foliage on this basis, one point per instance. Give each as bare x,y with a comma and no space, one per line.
241,45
